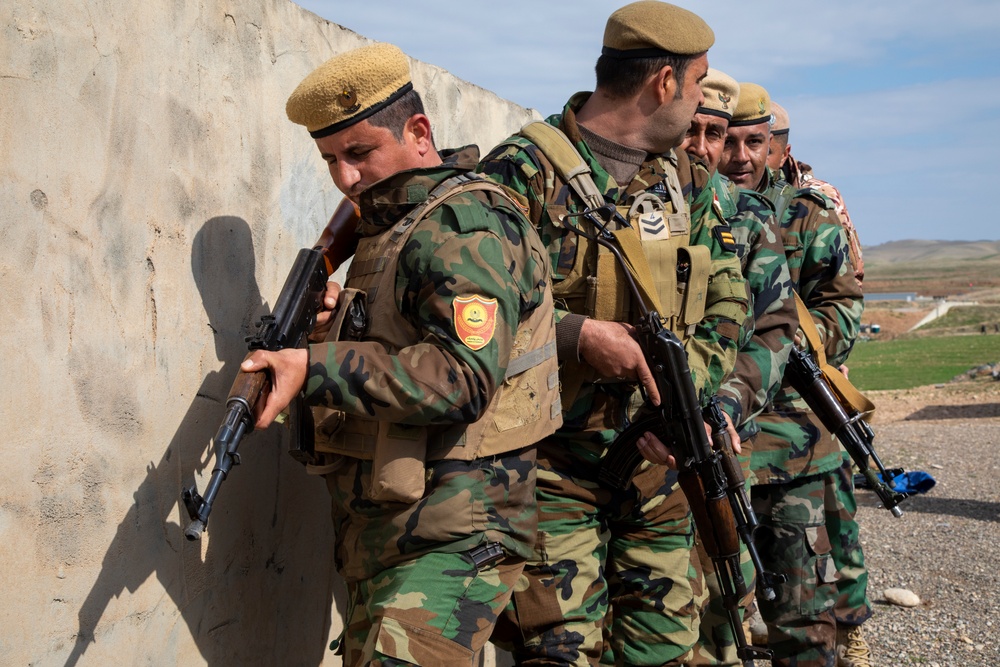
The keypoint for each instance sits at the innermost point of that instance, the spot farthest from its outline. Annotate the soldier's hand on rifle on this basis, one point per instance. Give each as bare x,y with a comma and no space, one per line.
611,349
654,451
288,369
324,319
731,430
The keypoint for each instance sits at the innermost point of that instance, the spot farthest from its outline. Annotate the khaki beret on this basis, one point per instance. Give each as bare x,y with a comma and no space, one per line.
721,92
650,28
780,125
754,106
348,88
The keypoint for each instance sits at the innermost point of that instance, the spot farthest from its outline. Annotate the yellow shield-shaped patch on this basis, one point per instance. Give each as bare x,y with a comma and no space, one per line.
475,320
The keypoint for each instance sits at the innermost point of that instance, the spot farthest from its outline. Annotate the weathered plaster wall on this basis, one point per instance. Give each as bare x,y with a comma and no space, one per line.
153,196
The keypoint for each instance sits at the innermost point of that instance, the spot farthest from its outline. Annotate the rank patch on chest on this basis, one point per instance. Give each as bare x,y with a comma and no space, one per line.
475,320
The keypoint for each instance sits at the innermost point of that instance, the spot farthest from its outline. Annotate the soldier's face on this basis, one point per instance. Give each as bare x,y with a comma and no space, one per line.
364,154
744,154
777,153
685,101
706,138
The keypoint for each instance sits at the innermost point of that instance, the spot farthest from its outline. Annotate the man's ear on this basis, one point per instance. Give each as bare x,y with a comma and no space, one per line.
665,84
418,132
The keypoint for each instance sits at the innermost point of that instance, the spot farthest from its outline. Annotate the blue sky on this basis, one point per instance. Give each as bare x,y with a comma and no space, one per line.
896,102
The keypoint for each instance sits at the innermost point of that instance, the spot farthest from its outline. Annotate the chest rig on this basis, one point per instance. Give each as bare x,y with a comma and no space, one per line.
524,408
671,273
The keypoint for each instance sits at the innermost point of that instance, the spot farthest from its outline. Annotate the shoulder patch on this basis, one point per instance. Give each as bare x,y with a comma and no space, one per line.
475,320
724,235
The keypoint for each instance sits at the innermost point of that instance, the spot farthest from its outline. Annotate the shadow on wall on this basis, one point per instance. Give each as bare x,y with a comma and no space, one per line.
249,593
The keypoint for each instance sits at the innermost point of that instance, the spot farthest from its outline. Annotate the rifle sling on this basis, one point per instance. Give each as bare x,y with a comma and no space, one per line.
847,392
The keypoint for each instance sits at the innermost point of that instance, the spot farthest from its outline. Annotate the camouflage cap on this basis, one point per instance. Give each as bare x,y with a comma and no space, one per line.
780,125
721,92
754,106
348,88
650,28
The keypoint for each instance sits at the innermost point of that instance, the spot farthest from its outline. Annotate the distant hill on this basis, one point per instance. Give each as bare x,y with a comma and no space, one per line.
909,251
932,268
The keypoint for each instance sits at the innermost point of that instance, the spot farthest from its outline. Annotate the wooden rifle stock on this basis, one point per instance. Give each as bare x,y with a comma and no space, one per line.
339,240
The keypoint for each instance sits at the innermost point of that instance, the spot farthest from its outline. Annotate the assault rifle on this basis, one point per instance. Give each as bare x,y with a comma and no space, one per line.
679,423
288,325
846,423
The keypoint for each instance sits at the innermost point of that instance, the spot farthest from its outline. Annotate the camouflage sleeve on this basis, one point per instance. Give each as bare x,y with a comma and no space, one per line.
518,165
854,243
826,281
462,249
760,364
712,348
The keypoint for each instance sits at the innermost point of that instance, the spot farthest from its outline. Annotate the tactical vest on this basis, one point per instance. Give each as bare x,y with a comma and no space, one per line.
524,408
671,273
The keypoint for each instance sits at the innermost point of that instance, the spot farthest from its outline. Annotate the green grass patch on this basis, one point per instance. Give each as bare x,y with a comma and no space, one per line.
965,316
902,364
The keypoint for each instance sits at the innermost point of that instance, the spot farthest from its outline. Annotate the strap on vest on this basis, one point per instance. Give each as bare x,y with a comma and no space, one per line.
638,265
444,191
529,360
571,166
845,390
560,150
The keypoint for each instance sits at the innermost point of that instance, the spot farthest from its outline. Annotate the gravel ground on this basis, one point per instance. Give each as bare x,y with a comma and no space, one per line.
946,546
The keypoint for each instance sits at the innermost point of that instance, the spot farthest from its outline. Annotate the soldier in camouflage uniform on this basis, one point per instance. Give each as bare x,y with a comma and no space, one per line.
433,394
800,175
763,348
620,555
794,457
853,607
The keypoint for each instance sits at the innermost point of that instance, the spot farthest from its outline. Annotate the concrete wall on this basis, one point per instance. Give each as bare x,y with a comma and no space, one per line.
153,196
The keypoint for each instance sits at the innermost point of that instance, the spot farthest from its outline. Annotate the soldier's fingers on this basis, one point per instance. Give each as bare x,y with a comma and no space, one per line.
333,290
257,361
654,451
269,413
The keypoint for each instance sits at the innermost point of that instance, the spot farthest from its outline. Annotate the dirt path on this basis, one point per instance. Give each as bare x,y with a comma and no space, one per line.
946,547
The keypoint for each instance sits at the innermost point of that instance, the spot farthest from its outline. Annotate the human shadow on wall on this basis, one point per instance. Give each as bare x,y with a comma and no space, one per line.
258,589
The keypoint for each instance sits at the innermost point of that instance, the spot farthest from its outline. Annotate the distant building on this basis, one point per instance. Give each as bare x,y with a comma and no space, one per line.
892,296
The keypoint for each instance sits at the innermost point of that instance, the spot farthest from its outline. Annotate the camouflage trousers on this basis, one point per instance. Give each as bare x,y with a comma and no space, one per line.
428,580
853,606
611,579
793,541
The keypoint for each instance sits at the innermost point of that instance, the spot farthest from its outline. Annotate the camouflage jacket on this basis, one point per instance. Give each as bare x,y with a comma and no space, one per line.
455,251
597,414
763,352
792,443
808,180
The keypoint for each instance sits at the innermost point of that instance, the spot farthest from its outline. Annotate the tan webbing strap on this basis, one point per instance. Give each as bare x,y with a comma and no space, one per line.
563,154
530,359
631,247
574,170
444,191
845,390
